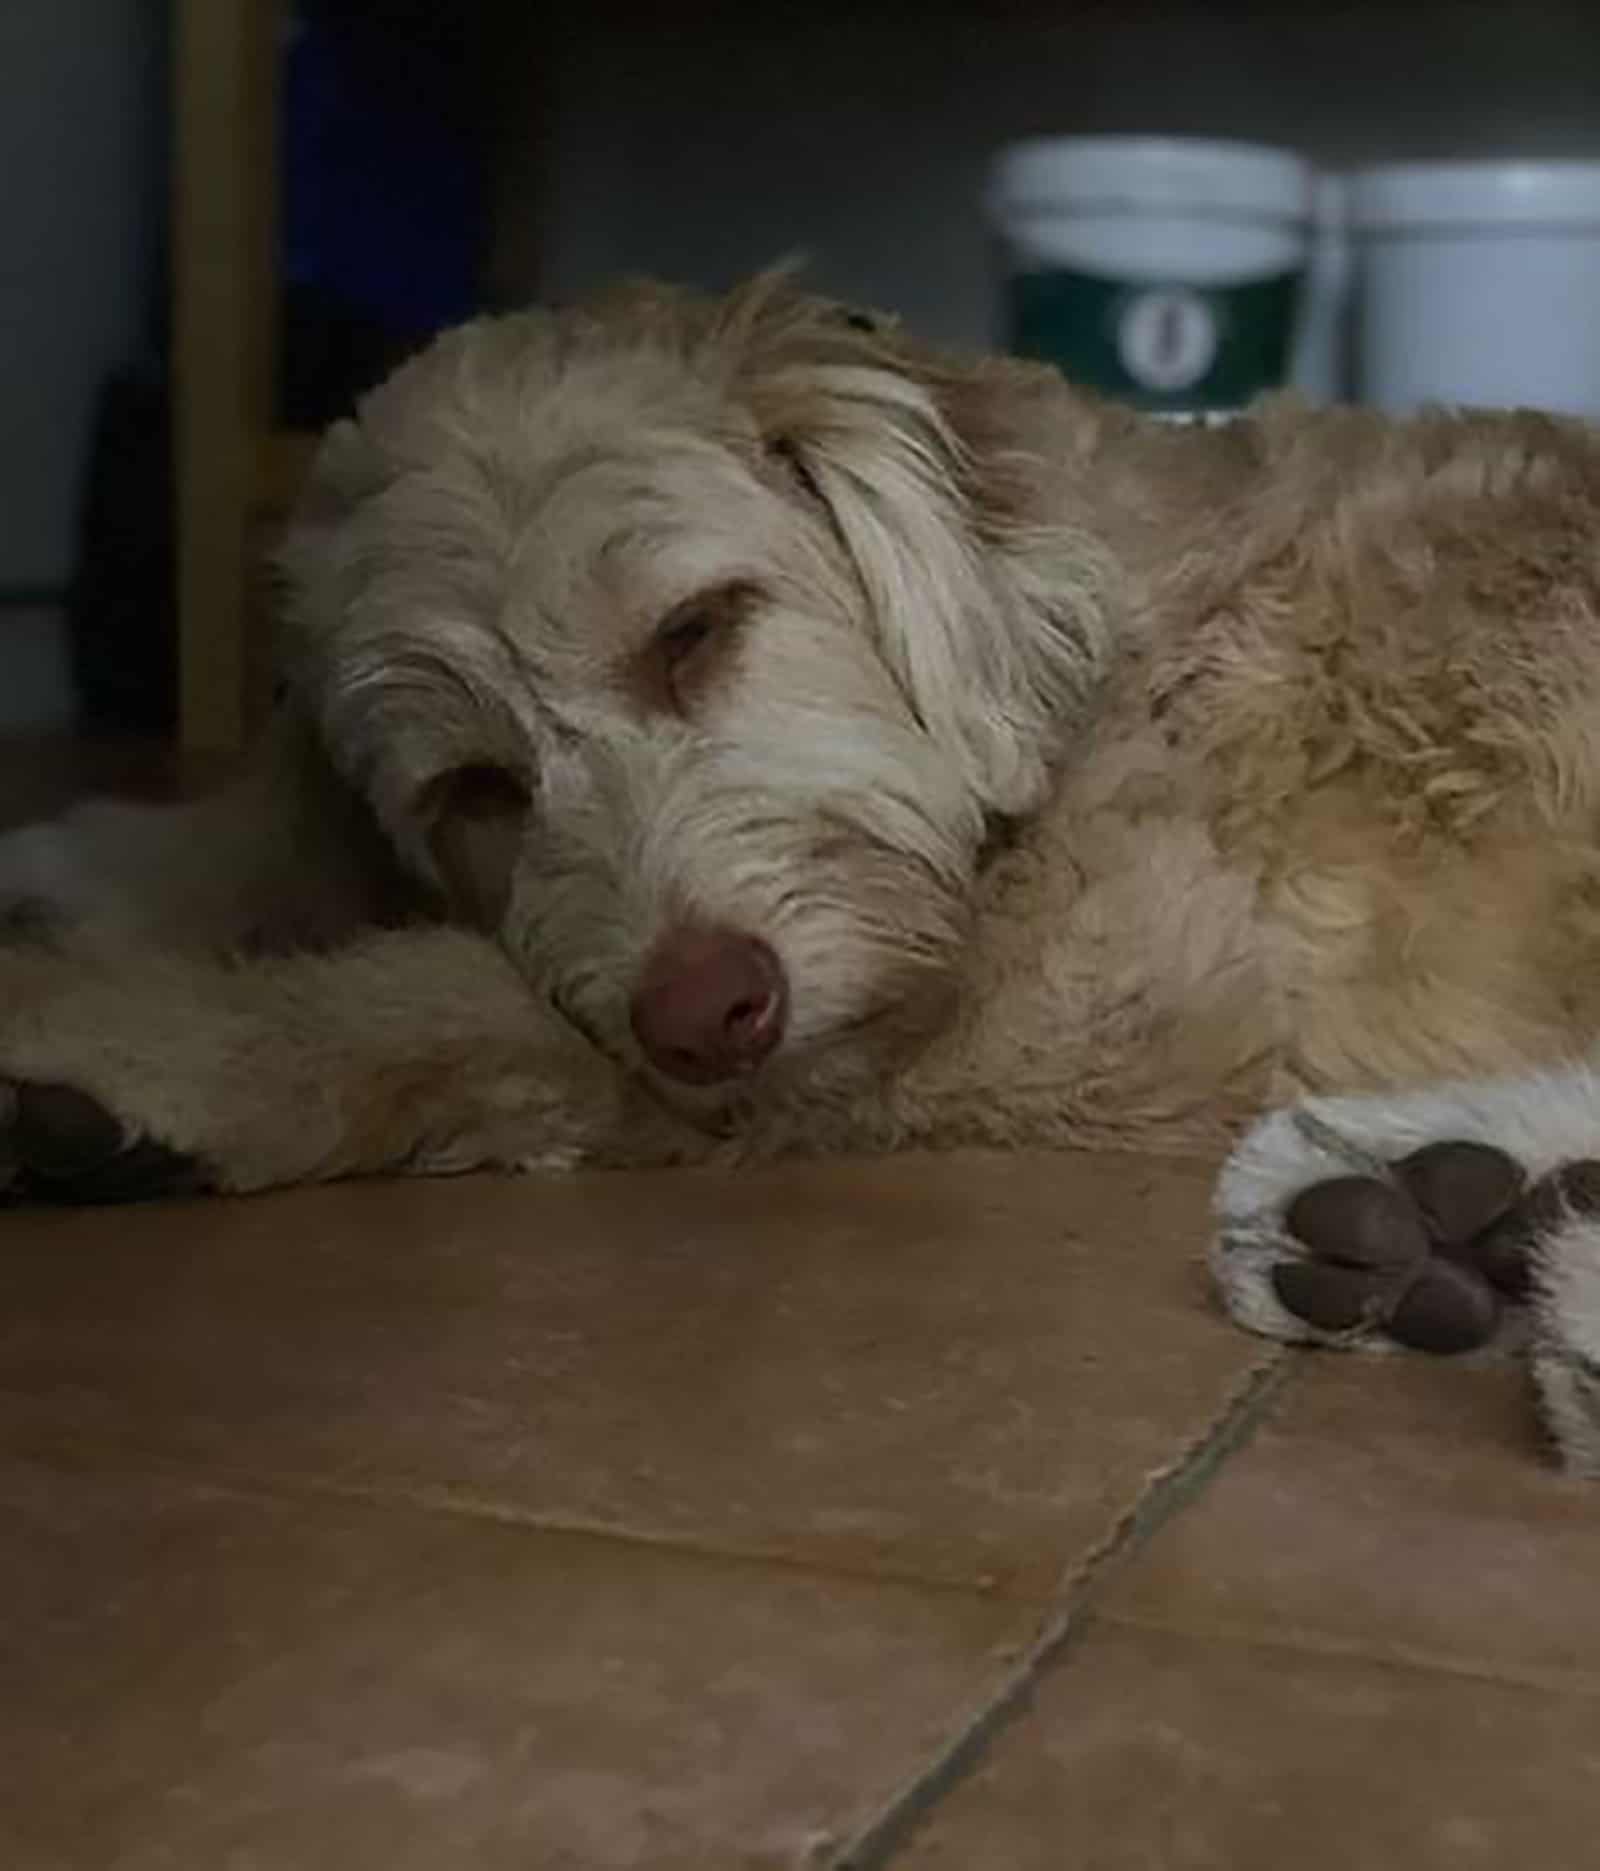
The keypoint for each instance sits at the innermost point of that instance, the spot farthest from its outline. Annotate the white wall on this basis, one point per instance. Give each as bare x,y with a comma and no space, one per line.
76,159
702,151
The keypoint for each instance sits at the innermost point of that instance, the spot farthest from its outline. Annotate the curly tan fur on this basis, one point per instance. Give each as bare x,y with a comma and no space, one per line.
1090,778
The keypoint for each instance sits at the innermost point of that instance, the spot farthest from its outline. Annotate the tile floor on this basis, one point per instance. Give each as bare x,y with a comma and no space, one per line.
914,1513
911,1514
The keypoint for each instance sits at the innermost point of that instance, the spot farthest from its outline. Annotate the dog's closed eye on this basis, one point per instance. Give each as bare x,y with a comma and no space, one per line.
692,646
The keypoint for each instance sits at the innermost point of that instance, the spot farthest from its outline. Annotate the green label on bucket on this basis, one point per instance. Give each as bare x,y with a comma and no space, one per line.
1159,346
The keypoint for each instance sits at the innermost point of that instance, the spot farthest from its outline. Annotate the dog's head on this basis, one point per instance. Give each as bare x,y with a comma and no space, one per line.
694,649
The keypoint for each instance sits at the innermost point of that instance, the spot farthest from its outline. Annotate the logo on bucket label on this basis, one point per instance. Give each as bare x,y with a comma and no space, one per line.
1167,339
1161,345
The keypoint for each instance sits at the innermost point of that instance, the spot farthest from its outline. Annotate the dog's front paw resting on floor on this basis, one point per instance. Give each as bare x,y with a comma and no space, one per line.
1459,1221
1427,1253
59,1144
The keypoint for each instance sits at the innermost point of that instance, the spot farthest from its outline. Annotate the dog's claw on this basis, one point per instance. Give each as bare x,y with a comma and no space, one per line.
59,1144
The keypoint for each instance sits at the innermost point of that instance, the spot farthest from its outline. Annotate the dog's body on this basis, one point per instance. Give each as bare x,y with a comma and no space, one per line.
734,726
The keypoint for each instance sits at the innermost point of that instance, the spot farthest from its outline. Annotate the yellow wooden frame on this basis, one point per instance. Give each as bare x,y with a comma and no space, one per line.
233,471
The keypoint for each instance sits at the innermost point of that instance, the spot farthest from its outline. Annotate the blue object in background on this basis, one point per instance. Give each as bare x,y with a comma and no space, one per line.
382,218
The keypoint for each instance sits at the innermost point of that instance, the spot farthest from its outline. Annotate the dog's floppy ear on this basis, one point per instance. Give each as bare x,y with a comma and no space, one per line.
316,568
477,819
992,622
414,722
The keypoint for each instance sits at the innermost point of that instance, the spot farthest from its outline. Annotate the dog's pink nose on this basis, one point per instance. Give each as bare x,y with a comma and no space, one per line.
710,1005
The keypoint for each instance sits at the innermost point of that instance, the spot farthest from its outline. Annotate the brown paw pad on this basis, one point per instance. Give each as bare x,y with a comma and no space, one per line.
1377,1248
63,1145
1358,1221
1367,1244
1427,1256
1460,1188
1446,1308
1332,1298
1503,1253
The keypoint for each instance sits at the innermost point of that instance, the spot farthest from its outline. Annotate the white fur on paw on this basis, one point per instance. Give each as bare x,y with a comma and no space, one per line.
1543,1119
1282,1155
1566,1341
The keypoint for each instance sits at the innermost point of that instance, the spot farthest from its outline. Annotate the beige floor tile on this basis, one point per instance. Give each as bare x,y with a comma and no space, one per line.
1156,1751
1399,1506
199,1679
963,1368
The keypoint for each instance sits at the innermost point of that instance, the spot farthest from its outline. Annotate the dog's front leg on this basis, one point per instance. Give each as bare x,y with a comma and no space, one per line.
135,1074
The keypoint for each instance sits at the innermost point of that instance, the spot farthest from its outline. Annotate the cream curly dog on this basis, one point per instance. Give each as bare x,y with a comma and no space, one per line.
732,726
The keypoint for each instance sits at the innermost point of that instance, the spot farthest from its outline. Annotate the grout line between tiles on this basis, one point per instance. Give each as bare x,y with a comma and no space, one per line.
443,1502
1164,1495
1414,1659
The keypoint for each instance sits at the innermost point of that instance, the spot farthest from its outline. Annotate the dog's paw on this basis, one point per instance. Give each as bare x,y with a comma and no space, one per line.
1332,1230
60,1145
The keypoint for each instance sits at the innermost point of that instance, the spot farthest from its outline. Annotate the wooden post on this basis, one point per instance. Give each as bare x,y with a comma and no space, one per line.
224,331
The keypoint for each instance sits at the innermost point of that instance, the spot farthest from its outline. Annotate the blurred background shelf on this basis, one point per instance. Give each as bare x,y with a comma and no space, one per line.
703,141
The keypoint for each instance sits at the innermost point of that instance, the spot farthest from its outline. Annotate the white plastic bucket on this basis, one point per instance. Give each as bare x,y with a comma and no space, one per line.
1165,270
1479,283
1321,365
